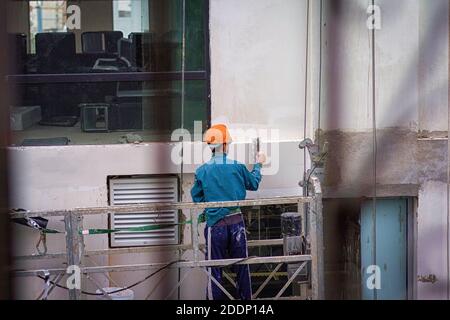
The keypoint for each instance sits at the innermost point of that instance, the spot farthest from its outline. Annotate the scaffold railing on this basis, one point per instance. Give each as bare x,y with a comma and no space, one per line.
310,207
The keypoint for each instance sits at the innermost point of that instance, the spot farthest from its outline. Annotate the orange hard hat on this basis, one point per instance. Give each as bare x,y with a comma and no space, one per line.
218,134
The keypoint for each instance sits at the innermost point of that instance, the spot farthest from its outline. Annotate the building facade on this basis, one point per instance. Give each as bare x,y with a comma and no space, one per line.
374,100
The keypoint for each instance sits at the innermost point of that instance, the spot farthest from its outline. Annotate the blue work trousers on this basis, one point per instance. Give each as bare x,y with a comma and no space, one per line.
223,242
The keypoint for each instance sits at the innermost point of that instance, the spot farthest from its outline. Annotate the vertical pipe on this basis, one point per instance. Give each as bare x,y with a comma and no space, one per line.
320,72
75,248
194,235
316,238
305,183
73,295
448,170
374,128
305,186
320,258
183,69
207,62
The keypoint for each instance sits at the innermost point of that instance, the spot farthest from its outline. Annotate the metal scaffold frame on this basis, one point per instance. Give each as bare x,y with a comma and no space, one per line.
310,205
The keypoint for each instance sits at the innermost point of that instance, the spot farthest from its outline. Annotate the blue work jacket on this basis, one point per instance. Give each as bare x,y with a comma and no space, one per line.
223,179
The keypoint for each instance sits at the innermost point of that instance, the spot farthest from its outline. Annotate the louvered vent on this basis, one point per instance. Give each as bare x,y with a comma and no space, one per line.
126,191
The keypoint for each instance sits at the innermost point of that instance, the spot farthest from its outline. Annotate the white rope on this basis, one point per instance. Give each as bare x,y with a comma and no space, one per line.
306,94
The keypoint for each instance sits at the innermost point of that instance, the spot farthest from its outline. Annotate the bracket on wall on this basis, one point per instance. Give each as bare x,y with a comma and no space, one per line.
317,155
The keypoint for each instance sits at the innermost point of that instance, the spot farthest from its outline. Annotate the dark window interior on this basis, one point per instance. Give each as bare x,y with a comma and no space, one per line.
94,85
342,255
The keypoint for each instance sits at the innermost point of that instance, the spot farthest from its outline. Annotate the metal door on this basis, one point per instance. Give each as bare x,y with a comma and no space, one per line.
391,249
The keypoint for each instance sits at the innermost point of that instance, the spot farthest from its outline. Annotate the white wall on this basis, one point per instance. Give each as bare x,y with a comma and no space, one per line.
433,65
396,64
432,248
411,58
258,63
346,67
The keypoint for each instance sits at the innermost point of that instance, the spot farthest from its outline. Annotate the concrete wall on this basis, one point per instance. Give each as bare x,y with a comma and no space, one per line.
411,58
257,72
346,66
346,109
411,81
432,245
433,65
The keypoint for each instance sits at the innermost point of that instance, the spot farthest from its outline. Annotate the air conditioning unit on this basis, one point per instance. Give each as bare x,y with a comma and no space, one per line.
141,190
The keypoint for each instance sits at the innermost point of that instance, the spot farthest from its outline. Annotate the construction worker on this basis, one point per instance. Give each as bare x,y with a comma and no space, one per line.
223,179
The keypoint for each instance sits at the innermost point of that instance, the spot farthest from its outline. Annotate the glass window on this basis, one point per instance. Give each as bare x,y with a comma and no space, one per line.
118,75
46,16
130,16
123,8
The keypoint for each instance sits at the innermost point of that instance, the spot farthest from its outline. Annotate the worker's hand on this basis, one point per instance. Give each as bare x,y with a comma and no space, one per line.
261,158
